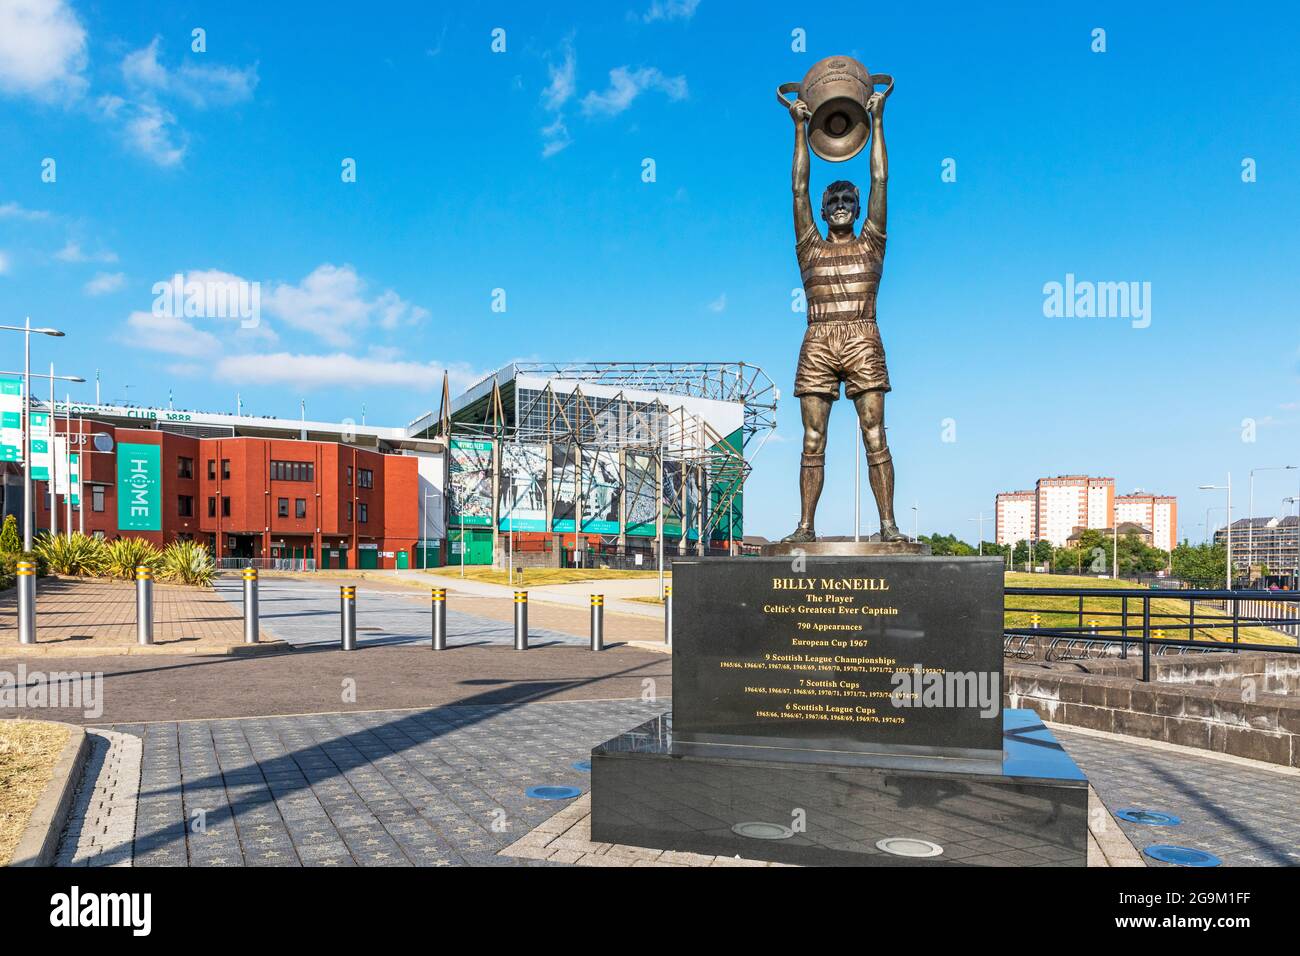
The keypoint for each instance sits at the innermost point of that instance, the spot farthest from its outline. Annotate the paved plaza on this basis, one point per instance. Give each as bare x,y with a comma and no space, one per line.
397,755
439,788
88,615
305,613
448,786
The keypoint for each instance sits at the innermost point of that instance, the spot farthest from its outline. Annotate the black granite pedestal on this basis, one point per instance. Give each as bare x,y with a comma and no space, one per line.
842,710
1030,811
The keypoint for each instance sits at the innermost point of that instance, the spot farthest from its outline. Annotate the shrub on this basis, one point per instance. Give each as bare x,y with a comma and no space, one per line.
71,554
9,566
187,562
123,556
10,543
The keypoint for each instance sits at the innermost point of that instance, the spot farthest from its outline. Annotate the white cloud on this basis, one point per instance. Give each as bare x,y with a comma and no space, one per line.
166,333
671,10
147,129
42,49
563,80
4,263
719,304
105,282
626,85
555,135
328,371
72,252
11,210
200,85
331,303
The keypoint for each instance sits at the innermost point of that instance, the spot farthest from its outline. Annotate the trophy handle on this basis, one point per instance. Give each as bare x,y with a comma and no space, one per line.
785,88
878,78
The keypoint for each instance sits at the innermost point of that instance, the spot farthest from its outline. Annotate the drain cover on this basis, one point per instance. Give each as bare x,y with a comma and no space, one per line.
552,793
909,846
1181,855
757,830
1150,817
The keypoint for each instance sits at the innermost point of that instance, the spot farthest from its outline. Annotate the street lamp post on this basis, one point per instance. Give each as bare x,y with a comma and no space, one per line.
857,481
1114,557
916,521
27,331
1228,489
28,375
980,519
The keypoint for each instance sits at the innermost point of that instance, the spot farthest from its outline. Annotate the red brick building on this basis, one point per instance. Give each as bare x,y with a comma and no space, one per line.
253,497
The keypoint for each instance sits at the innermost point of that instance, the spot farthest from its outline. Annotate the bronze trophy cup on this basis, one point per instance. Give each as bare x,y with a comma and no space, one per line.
836,90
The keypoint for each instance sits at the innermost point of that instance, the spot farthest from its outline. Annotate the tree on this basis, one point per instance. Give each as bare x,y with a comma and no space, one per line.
1201,565
9,540
947,545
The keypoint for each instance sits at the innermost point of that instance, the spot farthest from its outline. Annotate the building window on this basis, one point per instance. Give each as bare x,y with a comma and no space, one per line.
225,468
349,511
212,470
97,498
184,467
300,507
349,476
185,506
363,513
225,507
293,471
212,507
365,478
284,508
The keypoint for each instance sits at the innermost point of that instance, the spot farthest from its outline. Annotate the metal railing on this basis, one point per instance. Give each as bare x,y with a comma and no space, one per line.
1121,618
266,564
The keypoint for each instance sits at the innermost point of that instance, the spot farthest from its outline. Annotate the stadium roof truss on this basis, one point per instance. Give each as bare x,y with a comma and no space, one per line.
623,422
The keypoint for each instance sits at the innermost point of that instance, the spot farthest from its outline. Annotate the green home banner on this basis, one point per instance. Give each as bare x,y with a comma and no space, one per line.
139,488
11,418
40,439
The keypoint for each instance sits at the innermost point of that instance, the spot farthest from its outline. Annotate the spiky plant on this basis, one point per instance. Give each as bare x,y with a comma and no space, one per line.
187,562
124,555
76,553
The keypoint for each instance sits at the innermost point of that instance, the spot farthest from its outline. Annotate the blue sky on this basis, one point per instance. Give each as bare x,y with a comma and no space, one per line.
522,170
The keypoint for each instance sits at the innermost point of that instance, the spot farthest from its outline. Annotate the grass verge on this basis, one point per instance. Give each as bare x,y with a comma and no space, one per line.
28,752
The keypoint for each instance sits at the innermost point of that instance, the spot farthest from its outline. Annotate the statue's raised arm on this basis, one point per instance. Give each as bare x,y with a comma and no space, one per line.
803,217
877,206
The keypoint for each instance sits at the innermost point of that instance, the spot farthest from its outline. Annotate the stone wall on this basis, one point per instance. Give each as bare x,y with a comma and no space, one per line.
1200,702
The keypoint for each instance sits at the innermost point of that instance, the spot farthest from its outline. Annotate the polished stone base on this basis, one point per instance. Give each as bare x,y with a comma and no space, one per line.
844,549
1030,811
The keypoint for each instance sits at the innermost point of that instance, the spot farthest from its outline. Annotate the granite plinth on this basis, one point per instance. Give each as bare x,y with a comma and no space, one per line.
1029,810
811,659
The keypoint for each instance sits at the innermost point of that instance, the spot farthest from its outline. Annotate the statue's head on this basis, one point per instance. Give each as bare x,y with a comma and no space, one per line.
840,205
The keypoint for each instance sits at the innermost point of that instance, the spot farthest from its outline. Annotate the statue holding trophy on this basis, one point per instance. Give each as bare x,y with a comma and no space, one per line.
838,112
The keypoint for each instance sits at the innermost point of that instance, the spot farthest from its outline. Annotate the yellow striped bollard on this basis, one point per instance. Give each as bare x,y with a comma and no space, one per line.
439,599
26,602
348,617
143,605
598,622
668,614
521,620
251,635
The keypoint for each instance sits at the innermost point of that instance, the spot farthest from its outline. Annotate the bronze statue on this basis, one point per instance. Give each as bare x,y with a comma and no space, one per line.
841,275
